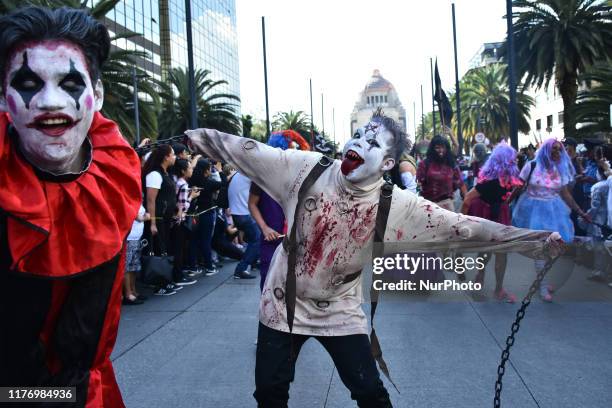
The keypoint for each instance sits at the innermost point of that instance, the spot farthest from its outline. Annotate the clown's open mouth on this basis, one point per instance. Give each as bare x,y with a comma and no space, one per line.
53,124
351,161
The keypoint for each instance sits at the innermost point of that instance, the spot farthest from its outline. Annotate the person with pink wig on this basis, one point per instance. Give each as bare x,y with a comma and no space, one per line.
488,199
547,203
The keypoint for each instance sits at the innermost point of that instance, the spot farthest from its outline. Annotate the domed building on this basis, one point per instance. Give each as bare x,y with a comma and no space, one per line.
378,92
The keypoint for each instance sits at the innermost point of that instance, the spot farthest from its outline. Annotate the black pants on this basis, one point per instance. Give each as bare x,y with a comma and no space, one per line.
275,367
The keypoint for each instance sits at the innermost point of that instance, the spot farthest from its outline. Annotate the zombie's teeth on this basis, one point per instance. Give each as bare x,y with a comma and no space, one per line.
54,121
352,155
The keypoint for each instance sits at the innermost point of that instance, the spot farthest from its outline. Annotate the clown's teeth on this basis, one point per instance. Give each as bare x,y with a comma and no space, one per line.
54,121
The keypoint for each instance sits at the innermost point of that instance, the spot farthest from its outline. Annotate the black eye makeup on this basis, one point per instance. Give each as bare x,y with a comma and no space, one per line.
73,84
26,82
373,142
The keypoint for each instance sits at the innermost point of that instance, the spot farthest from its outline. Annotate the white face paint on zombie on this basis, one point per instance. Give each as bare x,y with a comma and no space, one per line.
367,155
51,100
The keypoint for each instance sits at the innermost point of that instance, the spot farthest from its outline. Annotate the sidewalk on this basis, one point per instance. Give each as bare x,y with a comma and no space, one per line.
196,349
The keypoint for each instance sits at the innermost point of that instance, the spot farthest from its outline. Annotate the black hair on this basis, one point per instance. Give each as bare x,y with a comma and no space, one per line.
156,158
198,178
41,23
180,166
400,140
570,141
179,148
432,156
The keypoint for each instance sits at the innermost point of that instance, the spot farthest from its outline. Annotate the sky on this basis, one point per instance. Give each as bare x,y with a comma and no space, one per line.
339,43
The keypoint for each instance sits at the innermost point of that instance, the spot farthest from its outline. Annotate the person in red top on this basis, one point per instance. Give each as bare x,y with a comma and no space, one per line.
438,175
69,192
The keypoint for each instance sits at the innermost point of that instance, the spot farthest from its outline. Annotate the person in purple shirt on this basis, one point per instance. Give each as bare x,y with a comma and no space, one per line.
268,214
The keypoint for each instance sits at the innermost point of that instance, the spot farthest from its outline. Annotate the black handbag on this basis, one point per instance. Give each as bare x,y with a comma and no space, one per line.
156,269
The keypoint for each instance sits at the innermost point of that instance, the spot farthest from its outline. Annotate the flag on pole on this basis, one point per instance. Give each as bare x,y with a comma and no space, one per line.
444,106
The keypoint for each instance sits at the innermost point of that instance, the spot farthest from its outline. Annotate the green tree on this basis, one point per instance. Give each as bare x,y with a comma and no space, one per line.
485,97
298,121
558,40
116,72
593,103
215,110
259,131
247,125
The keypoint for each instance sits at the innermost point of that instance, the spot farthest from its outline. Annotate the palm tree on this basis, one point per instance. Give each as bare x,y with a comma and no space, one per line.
485,98
298,121
560,39
593,104
116,72
215,110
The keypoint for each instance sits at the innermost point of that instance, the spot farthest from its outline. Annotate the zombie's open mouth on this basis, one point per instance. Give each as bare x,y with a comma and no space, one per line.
53,124
351,161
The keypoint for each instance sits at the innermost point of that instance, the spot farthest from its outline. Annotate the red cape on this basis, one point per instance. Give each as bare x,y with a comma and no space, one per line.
59,229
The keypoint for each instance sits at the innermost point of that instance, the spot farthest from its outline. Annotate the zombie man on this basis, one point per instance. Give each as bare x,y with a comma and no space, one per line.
69,191
336,210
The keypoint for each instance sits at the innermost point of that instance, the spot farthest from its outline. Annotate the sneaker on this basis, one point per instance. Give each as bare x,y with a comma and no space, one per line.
164,292
192,274
185,281
211,272
192,271
173,287
135,301
243,275
597,276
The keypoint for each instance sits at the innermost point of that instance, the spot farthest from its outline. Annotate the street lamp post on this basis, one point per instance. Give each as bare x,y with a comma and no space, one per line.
136,110
193,119
511,76
457,89
263,37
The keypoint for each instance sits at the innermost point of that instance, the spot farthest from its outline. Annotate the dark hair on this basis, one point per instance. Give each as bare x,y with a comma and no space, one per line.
179,148
400,141
570,141
432,156
180,166
197,178
40,23
156,158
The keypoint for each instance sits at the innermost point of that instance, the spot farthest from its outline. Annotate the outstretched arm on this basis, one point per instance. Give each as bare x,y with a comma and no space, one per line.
419,220
278,172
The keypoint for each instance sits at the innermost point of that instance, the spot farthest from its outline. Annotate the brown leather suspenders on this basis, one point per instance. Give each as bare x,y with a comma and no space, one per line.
382,215
289,244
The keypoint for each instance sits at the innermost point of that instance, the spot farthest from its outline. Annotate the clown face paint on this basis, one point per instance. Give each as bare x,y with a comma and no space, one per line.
51,100
366,156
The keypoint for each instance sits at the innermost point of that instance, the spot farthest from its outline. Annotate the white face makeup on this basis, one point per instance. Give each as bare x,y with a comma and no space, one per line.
366,156
51,100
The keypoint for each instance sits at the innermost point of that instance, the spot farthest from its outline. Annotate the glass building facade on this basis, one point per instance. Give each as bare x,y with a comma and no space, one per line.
161,29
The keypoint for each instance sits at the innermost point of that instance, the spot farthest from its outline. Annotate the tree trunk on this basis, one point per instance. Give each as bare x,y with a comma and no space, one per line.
568,86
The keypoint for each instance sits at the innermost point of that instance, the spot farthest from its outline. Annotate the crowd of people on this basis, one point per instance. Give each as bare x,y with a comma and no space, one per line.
201,212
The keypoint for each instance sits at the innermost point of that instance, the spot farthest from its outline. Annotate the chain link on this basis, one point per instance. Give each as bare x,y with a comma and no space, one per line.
520,314
151,146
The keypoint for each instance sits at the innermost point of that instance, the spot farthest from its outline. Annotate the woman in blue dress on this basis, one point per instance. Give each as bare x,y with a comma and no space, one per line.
546,202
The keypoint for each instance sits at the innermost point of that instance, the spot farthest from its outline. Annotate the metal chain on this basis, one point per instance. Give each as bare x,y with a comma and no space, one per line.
501,369
153,145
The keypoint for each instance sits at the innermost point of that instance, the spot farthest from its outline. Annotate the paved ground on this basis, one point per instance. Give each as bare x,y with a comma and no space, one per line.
196,349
